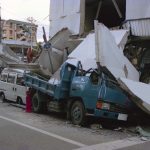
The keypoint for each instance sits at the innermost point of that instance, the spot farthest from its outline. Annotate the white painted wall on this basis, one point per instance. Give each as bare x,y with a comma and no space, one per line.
67,14
136,9
110,56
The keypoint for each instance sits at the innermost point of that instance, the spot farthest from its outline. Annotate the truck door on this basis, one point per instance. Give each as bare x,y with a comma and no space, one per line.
92,90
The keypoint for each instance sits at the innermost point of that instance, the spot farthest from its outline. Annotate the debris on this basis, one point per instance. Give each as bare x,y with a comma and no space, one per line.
68,122
7,56
96,126
118,129
144,139
17,105
142,132
139,93
110,56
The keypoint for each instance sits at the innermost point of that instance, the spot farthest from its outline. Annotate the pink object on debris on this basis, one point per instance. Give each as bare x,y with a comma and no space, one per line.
28,102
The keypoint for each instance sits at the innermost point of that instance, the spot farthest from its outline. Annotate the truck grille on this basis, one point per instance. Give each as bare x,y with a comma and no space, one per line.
117,108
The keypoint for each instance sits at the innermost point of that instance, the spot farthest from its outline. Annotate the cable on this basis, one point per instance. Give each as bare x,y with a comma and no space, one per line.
45,17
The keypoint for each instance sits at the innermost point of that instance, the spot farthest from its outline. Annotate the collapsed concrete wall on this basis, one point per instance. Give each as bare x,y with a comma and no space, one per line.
7,56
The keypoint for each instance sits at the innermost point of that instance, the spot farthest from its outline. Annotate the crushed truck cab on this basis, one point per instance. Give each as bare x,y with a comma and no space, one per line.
79,93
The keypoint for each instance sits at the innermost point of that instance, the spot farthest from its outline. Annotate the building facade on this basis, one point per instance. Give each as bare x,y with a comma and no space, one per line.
19,35
19,31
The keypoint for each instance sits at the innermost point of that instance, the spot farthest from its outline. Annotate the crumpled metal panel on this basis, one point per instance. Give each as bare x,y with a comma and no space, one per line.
85,52
110,56
138,17
138,27
139,93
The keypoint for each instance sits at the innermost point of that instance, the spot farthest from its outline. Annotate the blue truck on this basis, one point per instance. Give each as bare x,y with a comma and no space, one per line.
79,94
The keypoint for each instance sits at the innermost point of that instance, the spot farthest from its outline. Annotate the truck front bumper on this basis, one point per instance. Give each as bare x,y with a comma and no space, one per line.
110,115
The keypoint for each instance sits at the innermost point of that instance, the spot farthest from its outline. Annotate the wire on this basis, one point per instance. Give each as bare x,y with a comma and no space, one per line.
45,17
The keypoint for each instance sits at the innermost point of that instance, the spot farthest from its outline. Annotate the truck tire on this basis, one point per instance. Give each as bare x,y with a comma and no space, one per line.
36,104
77,113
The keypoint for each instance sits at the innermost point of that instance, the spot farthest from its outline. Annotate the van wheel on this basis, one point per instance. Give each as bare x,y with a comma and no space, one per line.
36,104
19,101
2,97
77,113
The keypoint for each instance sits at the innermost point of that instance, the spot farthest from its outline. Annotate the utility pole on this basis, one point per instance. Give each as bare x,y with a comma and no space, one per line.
32,21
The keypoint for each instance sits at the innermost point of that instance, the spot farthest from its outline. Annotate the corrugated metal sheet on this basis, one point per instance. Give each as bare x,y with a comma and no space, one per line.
138,27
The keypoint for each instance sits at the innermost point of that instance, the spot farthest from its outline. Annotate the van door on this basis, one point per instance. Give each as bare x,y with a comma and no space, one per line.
3,84
20,88
10,91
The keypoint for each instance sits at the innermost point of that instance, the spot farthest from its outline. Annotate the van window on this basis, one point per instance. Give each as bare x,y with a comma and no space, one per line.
20,81
11,79
4,77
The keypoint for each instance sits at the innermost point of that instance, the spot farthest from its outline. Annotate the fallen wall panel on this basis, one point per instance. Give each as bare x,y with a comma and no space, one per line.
110,56
85,52
139,92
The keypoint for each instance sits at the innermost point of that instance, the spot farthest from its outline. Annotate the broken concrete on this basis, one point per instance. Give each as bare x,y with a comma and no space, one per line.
7,56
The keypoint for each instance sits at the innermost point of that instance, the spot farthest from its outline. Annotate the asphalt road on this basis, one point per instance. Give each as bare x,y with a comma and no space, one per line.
144,146
29,131
17,137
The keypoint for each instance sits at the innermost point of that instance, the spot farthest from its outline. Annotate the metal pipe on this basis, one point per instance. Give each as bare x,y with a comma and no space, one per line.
117,8
98,9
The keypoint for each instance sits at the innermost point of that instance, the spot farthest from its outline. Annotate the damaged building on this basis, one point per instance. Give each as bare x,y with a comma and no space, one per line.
78,17
128,24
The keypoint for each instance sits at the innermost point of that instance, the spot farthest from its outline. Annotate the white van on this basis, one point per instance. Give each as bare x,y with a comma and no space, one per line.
12,86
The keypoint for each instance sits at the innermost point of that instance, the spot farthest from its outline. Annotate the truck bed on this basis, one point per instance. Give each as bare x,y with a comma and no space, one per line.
39,84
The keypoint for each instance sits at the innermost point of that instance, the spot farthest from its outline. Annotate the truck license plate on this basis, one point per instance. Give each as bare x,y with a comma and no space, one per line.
122,117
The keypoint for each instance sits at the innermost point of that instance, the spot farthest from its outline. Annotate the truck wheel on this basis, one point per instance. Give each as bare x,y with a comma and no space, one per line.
19,101
77,113
2,97
36,104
